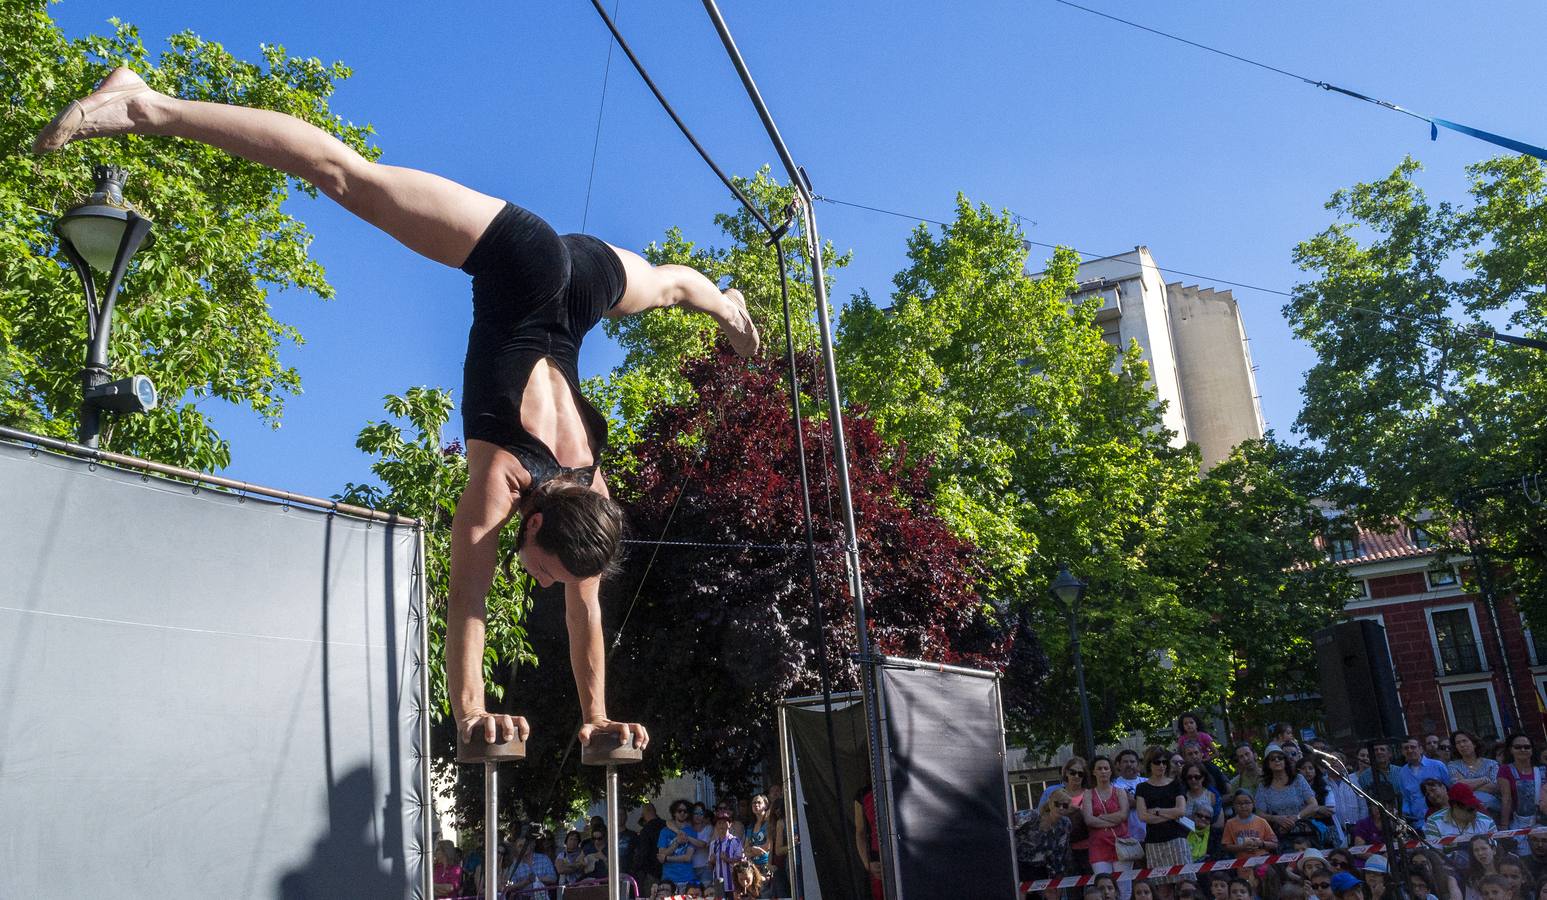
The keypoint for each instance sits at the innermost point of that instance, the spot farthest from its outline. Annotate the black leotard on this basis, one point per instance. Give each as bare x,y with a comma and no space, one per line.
535,295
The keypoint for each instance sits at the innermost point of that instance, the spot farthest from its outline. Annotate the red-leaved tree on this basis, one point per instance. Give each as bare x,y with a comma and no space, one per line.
718,635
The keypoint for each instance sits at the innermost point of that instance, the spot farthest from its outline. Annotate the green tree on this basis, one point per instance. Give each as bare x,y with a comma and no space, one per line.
1409,408
193,314
1250,561
1048,449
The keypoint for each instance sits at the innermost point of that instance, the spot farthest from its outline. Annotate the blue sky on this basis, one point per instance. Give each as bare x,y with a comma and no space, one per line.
1104,136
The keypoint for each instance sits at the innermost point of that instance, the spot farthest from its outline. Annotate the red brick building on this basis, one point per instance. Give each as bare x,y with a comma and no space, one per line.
1458,663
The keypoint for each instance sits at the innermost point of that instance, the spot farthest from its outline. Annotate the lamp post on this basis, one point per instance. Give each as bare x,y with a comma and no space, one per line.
102,233
1068,590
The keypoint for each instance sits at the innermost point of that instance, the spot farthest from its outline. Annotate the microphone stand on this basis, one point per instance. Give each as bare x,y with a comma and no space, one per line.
1395,830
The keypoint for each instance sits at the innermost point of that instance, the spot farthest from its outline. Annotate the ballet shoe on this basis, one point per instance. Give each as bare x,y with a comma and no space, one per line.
743,334
82,118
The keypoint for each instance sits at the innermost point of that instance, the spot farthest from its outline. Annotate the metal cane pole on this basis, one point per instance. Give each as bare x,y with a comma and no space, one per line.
611,750
614,864
491,820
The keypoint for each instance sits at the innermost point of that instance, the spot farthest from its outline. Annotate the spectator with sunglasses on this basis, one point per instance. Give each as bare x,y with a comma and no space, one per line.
1076,778
1042,840
675,845
1283,797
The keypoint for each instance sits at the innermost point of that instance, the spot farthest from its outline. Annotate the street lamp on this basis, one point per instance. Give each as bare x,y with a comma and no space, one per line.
102,233
1068,590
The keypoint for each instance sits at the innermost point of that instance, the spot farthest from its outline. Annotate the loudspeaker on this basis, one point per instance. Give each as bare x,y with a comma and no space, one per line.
1358,688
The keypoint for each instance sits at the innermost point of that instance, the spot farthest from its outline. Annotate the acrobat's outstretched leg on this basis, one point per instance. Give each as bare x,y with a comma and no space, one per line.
431,215
653,287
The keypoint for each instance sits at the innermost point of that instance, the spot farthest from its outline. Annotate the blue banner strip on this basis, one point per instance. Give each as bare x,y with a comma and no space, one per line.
1517,146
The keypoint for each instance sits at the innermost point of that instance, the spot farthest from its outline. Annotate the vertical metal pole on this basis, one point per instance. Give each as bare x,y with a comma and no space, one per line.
791,858
491,821
1079,682
840,455
614,865
427,815
1004,764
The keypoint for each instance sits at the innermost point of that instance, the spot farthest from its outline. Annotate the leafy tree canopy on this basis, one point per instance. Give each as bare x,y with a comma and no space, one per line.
193,314
1049,449
1410,410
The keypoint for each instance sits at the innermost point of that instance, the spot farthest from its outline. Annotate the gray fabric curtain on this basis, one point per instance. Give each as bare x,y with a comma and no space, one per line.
203,696
949,785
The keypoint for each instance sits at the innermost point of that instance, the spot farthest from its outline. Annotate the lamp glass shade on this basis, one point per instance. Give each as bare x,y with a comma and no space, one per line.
95,235
1067,588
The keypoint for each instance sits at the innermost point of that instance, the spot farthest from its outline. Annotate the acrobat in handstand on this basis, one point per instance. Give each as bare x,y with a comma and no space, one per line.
533,440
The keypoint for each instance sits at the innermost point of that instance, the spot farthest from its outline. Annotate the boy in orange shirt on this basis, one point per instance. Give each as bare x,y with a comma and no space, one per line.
1246,833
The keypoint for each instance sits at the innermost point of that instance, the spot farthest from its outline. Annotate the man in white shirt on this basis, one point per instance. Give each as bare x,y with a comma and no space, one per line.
1347,806
1128,778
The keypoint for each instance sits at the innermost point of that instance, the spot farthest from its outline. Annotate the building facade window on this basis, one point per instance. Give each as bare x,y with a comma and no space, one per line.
1473,709
1342,549
1442,578
1422,539
1455,641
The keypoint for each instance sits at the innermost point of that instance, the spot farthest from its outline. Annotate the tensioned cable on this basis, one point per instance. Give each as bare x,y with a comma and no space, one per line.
775,236
902,215
1434,122
1479,332
596,143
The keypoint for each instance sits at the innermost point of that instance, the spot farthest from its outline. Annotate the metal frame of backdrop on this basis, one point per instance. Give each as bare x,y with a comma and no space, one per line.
921,788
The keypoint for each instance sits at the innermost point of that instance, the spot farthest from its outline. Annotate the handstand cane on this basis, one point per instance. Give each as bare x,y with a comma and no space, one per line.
491,755
612,750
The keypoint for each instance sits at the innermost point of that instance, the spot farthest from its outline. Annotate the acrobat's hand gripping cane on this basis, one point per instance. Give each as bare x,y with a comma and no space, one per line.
612,750
491,755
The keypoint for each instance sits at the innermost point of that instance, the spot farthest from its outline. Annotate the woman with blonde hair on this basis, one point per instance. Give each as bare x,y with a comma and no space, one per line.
1042,840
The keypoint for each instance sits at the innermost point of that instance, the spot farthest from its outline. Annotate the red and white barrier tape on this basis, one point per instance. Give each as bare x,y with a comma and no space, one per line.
1251,862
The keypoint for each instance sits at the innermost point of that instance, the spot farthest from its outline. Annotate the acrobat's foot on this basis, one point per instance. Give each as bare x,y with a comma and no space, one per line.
105,112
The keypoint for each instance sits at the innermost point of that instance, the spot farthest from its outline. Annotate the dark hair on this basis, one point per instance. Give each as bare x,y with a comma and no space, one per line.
1184,717
1268,779
1157,756
1477,746
1203,775
1126,751
1509,743
1107,875
1318,779
581,527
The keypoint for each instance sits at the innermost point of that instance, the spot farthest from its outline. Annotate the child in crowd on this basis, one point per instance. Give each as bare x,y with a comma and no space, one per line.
1247,834
1190,731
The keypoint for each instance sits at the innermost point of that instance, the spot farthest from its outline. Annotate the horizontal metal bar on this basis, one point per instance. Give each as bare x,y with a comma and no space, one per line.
145,465
892,662
816,699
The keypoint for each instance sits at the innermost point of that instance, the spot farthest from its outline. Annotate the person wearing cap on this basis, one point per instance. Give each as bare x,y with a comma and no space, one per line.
1375,873
1462,816
1346,887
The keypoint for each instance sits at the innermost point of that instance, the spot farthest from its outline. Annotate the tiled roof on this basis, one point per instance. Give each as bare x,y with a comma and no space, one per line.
1381,546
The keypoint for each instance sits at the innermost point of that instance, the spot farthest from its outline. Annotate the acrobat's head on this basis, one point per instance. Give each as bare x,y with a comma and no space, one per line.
568,532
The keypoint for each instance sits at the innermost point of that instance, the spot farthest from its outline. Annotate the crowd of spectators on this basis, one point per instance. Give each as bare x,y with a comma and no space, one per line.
1201,799
738,850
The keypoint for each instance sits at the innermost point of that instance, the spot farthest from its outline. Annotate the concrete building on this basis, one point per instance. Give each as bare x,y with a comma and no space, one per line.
1195,344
